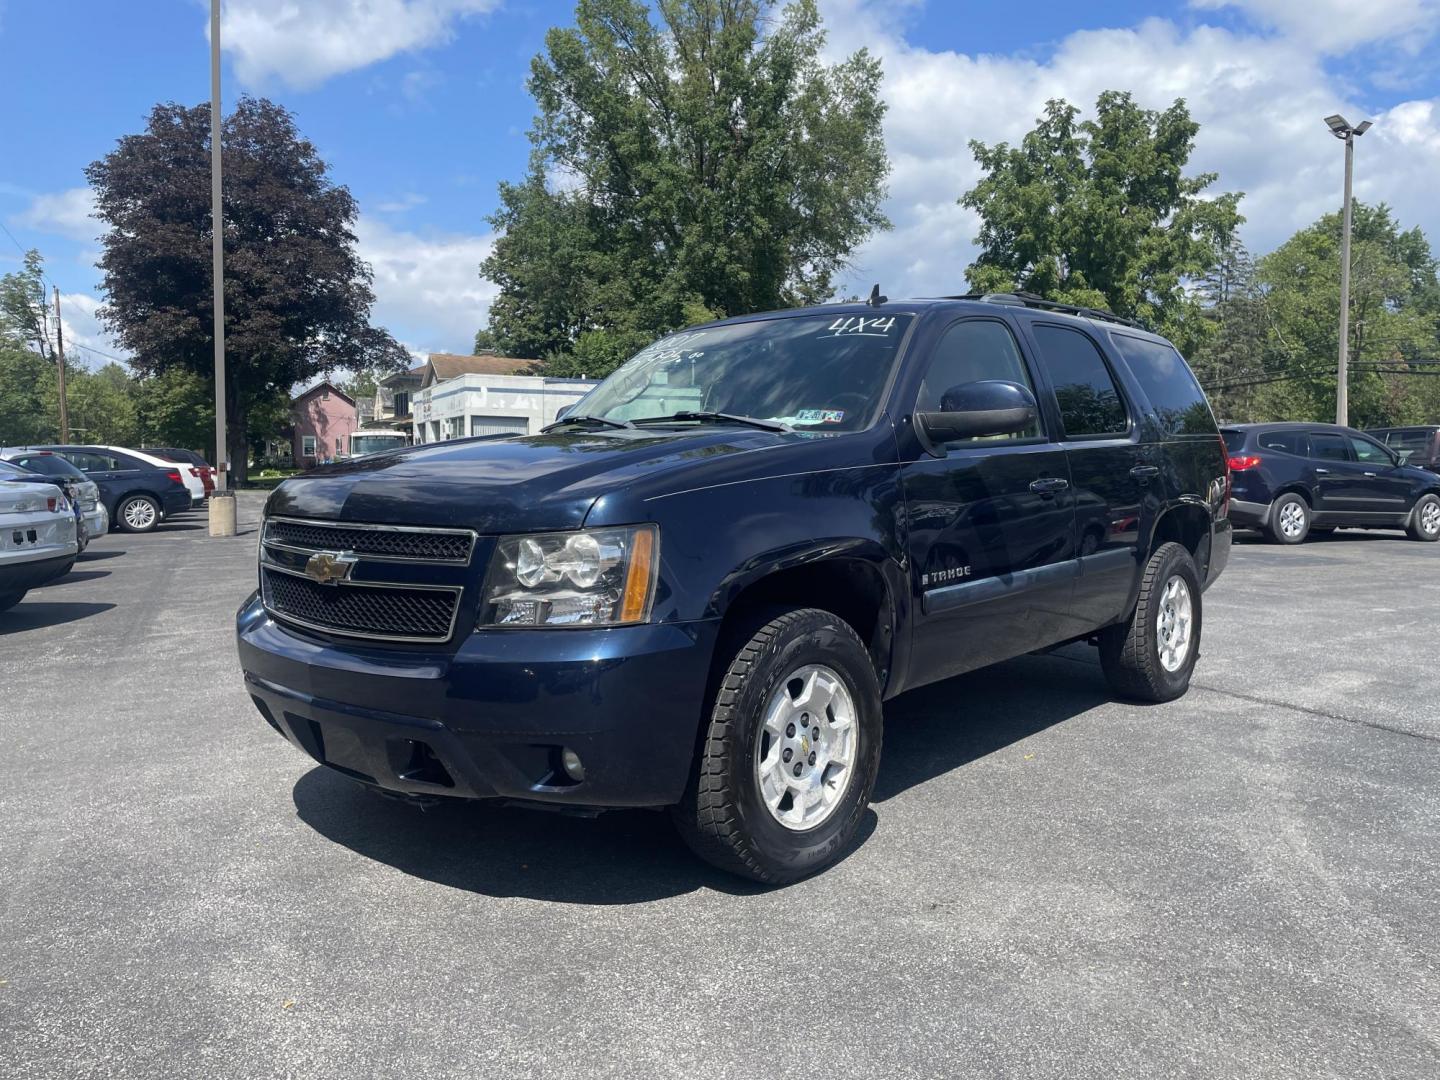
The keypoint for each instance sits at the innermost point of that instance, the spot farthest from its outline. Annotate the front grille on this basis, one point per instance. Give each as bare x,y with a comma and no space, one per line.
394,612
384,542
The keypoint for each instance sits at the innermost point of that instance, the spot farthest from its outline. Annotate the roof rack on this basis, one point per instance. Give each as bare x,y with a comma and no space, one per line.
1025,299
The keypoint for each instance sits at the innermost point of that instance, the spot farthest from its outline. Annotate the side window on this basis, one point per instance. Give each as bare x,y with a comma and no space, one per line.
1090,402
1325,446
1287,442
1369,453
1162,373
89,462
972,351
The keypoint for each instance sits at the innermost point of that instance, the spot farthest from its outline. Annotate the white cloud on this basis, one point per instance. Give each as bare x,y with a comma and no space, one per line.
304,42
66,213
428,291
1340,25
1259,99
86,342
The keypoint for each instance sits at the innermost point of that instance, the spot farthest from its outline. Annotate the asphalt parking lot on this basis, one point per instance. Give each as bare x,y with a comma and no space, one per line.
1244,883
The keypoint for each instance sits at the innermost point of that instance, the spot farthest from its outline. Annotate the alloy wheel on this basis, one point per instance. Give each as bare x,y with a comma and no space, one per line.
1173,623
1292,519
805,754
1430,518
139,514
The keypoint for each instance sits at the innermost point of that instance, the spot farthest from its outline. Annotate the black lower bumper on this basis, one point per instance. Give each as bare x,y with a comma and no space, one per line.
493,718
21,577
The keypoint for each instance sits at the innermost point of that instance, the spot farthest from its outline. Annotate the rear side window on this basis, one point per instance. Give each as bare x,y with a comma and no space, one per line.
1287,442
1170,385
1327,447
1090,402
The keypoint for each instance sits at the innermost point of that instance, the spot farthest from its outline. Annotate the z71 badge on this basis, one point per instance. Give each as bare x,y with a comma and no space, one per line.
941,577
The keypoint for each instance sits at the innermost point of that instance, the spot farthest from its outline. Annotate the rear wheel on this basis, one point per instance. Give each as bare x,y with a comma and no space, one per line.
1289,520
137,513
1424,521
10,599
790,753
1151,657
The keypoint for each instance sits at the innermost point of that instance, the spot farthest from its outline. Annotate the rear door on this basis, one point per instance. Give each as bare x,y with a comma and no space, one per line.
1111,468
991,520
1330,458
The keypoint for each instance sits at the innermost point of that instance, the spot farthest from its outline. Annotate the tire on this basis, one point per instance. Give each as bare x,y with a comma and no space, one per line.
10,599
796,659
133,516
1134,654
1424,523
1289,520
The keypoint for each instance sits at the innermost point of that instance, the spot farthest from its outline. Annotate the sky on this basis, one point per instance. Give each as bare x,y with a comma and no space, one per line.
420,108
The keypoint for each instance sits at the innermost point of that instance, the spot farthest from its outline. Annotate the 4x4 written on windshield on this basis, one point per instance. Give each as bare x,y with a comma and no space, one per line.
813,371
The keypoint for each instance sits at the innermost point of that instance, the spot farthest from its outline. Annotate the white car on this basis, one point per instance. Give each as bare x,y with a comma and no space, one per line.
37,537
189,474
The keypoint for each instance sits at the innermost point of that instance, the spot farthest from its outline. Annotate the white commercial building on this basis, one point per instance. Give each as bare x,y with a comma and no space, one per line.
485,404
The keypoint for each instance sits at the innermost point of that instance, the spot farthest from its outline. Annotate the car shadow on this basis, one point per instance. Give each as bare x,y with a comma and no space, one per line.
91,555
34,614
77,575
178,526
634,856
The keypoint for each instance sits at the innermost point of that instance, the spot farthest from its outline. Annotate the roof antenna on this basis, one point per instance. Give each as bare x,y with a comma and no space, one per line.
875,298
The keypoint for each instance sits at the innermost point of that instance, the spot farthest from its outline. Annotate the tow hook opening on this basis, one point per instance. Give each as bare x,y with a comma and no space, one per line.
416,763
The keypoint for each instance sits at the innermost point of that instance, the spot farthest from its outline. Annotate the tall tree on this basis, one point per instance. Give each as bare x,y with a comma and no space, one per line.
710,165
1101,213
26,319
1394,321
297,294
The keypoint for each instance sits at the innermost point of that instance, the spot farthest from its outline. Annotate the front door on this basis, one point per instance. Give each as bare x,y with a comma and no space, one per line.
991,521
1375,481
1116,476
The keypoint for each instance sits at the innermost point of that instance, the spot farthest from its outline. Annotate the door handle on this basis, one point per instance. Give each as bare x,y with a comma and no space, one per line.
1322,472
1370,474
1145,472
1048,485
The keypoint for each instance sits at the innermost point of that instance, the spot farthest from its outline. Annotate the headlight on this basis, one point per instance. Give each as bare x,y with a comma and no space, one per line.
597,577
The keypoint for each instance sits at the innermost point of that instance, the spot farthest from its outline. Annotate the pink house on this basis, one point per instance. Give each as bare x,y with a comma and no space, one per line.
324,417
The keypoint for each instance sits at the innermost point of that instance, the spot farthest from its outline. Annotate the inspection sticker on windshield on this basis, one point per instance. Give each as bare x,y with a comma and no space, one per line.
860,326
820,416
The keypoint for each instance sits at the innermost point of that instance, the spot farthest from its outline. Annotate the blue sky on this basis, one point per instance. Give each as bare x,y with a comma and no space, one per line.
419,106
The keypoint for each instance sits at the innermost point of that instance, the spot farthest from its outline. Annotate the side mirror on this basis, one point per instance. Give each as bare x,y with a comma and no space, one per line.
563,411
988,407
1402,456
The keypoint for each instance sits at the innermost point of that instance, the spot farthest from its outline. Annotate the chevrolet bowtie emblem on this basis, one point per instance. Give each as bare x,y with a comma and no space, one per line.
329,567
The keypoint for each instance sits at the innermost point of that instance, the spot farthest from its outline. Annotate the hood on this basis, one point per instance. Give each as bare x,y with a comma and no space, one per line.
501,484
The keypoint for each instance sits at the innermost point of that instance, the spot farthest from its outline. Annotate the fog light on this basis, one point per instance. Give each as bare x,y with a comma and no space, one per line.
571,761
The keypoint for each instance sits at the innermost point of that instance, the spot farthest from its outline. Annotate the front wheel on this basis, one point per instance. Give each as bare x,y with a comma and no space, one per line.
1151,657
1425,520
138,514
790,753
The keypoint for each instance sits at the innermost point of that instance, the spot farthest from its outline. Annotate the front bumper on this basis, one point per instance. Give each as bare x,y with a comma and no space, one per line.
491,719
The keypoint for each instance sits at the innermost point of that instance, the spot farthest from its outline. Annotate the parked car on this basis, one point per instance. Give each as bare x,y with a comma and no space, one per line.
137,494
189,475
697,588
84,494
1417,446
1293,480
199,466
37,534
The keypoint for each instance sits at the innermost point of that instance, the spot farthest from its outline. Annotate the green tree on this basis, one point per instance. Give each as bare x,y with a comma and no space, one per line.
26,320
297,295
1101,213
1235,343
24,410
707,166
176,407
1394,320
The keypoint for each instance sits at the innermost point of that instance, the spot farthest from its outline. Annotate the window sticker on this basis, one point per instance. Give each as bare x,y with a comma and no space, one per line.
860,326
820,416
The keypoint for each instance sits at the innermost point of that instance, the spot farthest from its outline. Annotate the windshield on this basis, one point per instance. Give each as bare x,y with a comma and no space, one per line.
813,372
373,444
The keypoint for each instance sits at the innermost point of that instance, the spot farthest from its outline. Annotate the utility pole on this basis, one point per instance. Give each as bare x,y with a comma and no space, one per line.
222,501
60,370
1341,129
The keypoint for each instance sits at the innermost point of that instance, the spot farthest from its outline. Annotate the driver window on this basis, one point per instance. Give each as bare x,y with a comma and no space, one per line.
972,351
1369,453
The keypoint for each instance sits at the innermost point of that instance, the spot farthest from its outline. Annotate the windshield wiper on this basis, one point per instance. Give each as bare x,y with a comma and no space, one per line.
719,417
584,418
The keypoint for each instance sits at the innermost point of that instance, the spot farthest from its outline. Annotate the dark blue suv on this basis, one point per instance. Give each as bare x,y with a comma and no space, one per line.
698,587
1296,479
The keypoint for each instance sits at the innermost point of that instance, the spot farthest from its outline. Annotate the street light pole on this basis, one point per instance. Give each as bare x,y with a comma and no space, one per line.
222,500
1341,129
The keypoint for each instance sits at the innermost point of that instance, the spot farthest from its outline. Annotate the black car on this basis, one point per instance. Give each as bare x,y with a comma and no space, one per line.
1418,446
137,495
697,588
1291,480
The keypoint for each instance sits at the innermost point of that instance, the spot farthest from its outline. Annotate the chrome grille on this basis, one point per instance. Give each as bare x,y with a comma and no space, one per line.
377,541
392,612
